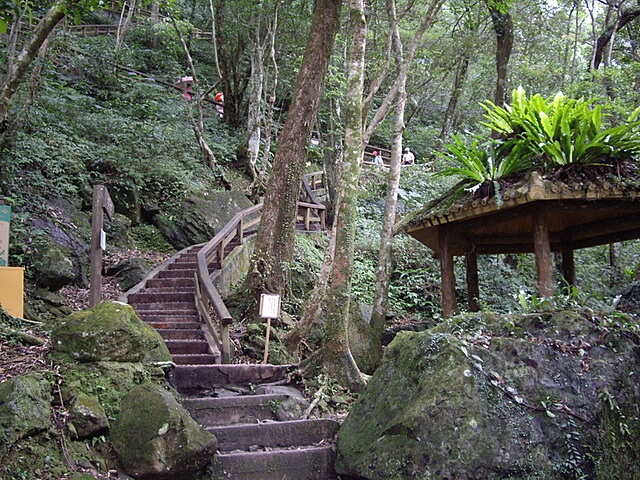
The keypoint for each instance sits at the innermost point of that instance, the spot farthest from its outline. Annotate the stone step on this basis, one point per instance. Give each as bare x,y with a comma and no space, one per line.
187,347
244,409
181,334
204,359
183,266
153,296
173,273
307,463
275,434
193,380
188,258
169,325
173,315
167,308
169,282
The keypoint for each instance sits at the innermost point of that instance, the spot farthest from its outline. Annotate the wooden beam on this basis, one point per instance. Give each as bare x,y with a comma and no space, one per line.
448,285
97,220
542,250
473,288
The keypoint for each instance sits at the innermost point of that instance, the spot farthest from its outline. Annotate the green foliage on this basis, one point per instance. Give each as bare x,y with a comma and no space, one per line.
147,237
542,133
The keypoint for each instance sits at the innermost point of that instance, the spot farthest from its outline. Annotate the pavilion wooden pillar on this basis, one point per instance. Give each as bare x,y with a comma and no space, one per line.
473,288
542,249
568,266
448,285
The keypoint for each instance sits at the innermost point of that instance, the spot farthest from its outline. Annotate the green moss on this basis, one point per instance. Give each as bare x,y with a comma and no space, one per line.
110,331
109,382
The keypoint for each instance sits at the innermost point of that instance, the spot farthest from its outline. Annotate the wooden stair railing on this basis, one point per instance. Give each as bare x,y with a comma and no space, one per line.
209,303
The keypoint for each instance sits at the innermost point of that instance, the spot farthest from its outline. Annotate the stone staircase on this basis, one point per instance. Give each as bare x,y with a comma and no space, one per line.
166,302
239,403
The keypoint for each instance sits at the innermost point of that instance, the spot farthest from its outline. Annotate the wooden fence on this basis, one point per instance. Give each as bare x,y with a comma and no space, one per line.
211,256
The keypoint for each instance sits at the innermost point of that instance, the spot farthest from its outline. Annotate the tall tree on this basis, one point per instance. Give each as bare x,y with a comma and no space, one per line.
337,357
274,242
395,97
263,40
503,27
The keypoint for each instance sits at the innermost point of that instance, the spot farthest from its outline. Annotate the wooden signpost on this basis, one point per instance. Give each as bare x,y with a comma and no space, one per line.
269,308
102,204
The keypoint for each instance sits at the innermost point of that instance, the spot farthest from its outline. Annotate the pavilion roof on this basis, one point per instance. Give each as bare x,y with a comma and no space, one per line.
582,211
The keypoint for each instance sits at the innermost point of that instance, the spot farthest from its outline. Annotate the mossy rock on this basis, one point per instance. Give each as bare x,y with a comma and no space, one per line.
25,408
155,437
87,418
108,382
110,331
53,266
476,394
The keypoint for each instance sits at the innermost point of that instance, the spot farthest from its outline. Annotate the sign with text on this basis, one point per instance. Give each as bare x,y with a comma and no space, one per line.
5,220
269,305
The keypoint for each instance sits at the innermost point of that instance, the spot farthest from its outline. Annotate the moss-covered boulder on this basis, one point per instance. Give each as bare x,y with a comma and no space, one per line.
108,382
155,437
53,266
497,397
87,418
200,217
110,331
363,343
25,408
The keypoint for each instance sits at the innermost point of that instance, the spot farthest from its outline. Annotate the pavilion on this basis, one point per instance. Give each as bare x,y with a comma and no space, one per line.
538,214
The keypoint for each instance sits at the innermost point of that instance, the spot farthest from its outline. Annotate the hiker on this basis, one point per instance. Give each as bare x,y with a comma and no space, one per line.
376,158
408,158
219,97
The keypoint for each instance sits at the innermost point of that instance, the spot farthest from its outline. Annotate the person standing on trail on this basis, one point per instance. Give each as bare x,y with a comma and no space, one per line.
376,158
408,158
219,97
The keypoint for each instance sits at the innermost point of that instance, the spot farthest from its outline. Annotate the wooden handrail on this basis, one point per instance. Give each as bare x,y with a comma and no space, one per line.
207,297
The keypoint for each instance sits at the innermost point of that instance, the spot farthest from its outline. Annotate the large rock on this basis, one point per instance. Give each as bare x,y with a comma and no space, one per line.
130,272
66,239
108,382
201,218
363,343
53,266
87,418
485,397
25,408
110,331
154,437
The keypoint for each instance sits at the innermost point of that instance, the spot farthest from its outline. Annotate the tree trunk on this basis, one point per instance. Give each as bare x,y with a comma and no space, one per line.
259,185
604,42
312,305
256,83
384,268
387,102
274,242
18,70
124,24
337,358
503,27
458,86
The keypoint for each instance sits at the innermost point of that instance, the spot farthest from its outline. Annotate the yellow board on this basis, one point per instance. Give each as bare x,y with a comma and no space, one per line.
12,290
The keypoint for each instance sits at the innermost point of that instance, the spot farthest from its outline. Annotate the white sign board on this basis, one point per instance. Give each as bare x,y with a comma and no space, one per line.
5,218
269,305
103,240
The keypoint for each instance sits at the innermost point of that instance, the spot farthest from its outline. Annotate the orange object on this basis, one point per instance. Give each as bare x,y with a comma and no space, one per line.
219,97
